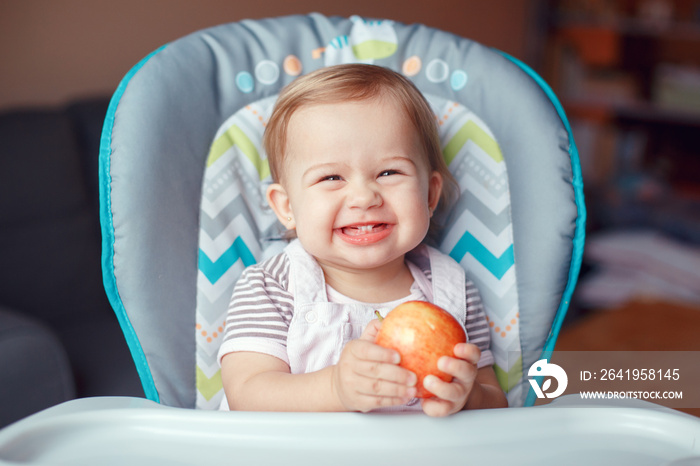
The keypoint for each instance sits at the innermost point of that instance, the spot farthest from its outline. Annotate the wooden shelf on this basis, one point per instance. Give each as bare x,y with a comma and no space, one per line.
628,86
683,30
640,111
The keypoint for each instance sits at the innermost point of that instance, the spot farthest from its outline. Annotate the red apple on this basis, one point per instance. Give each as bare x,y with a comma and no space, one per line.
422,333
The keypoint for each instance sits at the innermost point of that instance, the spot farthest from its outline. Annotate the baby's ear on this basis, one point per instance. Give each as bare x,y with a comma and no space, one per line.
434,190
278,199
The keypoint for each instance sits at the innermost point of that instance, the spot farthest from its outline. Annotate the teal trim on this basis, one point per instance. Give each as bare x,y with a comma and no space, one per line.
580,230
107,226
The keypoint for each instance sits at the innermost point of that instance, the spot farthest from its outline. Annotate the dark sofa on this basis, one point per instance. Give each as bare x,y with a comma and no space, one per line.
59,338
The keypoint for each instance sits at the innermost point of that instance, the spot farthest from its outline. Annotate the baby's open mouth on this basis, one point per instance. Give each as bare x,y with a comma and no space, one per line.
358,230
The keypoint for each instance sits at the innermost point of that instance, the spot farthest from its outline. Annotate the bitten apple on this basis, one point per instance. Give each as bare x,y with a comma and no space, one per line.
422,333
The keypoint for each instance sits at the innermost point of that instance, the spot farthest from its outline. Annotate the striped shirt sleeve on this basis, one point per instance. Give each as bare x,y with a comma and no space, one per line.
260,310
476,325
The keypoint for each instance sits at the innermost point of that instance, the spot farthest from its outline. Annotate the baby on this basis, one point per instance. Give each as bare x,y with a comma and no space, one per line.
358,174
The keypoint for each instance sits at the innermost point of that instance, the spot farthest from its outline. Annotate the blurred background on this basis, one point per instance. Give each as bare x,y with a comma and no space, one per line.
626,71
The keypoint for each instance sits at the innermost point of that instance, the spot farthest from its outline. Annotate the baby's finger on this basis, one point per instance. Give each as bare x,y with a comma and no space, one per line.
436,407
463,371
368,351
389,372
467,351
370,332
384,389
452,392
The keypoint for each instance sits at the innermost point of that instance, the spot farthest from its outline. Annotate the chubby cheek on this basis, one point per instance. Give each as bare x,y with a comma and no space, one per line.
313,218
423,224
415,206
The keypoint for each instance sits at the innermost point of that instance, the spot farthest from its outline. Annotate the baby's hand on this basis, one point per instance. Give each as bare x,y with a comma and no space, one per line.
367,375
452,397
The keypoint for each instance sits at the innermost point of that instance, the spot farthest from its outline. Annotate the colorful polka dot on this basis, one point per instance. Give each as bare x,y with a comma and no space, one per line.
508,326
292,65
437,71
458,80
258,115
244,82
412,66
267,72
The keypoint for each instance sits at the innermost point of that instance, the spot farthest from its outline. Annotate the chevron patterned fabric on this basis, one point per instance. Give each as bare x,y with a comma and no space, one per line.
479,235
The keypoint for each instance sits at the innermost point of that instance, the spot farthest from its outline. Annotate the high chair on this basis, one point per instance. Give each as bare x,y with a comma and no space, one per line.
183,179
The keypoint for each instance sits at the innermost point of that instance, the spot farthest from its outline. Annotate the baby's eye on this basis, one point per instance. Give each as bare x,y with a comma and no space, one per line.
389,172
331,178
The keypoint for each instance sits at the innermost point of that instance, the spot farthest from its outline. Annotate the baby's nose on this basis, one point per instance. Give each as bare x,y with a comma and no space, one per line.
364,196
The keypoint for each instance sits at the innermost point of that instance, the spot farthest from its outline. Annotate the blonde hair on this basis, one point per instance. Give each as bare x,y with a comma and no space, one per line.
357,82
